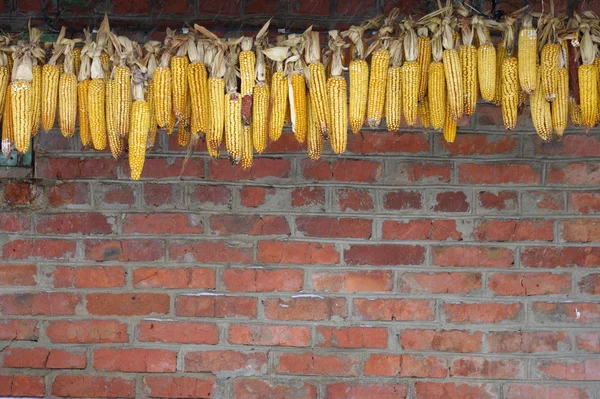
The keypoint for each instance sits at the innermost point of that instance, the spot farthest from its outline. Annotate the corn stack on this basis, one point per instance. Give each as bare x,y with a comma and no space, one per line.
394,90
467,53
96,103
510,92
410,77
233,108
50,75
424,59
8,138
541,113
527,55
314,138
588,81
278,98
67,95
449,129
500,56
359,78
549,65
317,84
436,87
452,74
197,77
139,125
560,105
486,64
337,96
247,75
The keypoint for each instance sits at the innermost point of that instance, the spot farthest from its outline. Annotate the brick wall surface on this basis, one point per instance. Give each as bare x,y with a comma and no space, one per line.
407,268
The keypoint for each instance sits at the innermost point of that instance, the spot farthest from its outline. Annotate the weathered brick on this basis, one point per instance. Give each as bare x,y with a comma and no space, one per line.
178,387
308,363
305,308
177,332
150,277
526,284
394,309
249,225
472,256
440,283
311,226
367,281
384,255
345,390
17,275
441,341
297,252
251,389
135,360
89,277
93,387
215,306
86,331
240,363
272,335
261,280
405,366
486,312
479,367
528,341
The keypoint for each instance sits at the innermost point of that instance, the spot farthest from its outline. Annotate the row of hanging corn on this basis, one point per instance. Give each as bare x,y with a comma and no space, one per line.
242,91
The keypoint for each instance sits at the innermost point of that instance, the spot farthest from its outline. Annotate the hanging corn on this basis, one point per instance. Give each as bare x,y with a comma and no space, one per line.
588,79
260,96
139,124
317,83
394,91
233,106
527,55
410,76
278,98
467,53
486,61
337,96
359,77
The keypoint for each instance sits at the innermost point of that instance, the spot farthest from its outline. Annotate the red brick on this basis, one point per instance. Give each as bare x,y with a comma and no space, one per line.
364,281
472,257
177,332
402,200
230,8
14,222
178,387
589,342
248,225
89,277
454,390
19,330
297,252
573,173
159,194
209,252
526,284
124,250
451,202
585,370
311,226
305,308
310,363
480,144
590,284
21,385
394,309
482,312
174,278
261,280
571,145
410,172
552,257
262,168
39,248
226,361
384,255
524,391
254,389
74,223
440,283
162,223
352,337
542,201
383,142
441,341
584,202
40,303
86,331
272,335
215,195
116,194
165,168
581,230
420,229
93,387
354,200
135,360
74,168
499,173
344,170
18,193
17,275
514,230
287,143
344,390
566,312
479,367
42,358
127,304
308,196
215,306
252,196
500,201
405,366
528,341
69,194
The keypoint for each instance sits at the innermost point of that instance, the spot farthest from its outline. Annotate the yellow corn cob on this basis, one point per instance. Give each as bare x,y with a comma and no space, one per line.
510,92
410,91
424,115
184,131
247,150
437,95
541,114
318,96
122,77
83,109
449,129
278,103
575,112
549,66
468,62
4,79
359,87
10,63
233,127
171,124
454,83
424,59
486,69
216,114
393,102
247,62
260,110
380,62
560,105
76,53
149,97
8,137
179,66
299,91
500,56
338,106
67,103
314,139
597,65
163,102
527,57
198,82
20,102
114,140
50,75
36,99
138,137
588,94
96,112
105,61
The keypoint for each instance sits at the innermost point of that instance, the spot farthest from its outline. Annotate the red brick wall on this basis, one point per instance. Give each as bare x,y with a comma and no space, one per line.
406,268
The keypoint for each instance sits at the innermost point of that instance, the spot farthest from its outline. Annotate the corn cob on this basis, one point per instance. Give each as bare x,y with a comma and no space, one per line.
36,99
454,83
393,102
83,109
500,56
468,62
50,75
510,92
4,79
410,91
300,118
96,112
184,128
260,111
437,95
359,86
527,56
541,114
588,94
172,123
597,65
449,129
67,103
247,150
233,127
380,61
138,137
575,112
179,66
216,113
549,65
314,139
486,60
338,107
122,78
247,61
20,102
560,105
8,137
278,104
149,97
198,82
424,60
163,102
76,53
105,60
114,140
424,114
